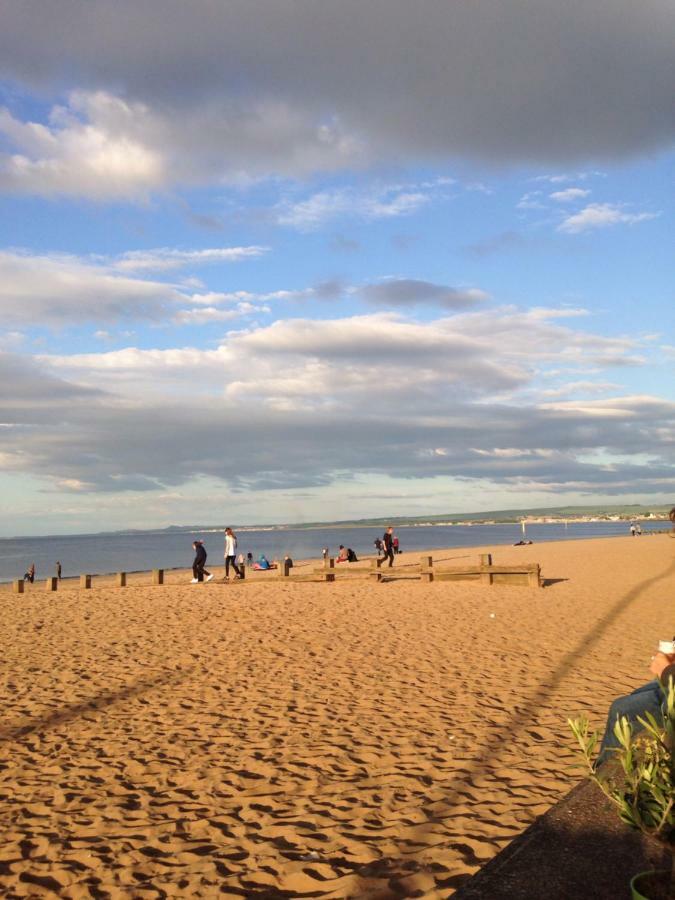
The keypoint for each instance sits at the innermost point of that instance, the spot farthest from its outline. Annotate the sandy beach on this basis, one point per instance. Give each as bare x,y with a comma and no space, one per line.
268,739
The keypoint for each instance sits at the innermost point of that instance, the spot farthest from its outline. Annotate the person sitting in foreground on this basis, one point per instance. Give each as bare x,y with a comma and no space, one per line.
343,555
351,555
648,698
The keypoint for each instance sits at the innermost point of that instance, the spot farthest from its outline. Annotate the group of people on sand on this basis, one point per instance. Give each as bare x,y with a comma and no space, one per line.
388,545
234,561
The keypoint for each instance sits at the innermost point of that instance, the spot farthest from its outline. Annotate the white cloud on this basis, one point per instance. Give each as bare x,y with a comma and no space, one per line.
59,289
343,361
325,206
91,148
165,258
531,200
326,395
601,215
104,148
201,315
569,194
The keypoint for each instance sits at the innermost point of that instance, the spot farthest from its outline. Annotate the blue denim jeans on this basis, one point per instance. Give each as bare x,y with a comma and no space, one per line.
647,698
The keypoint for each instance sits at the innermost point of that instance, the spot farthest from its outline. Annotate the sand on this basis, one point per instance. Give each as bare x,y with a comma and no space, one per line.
267,739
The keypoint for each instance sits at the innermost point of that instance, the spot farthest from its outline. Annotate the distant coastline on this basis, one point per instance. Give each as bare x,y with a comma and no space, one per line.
531,516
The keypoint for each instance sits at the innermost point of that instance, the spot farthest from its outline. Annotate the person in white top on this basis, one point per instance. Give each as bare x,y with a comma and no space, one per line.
231,553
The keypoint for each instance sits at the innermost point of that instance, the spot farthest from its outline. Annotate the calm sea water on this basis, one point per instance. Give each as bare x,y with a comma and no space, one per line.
99,554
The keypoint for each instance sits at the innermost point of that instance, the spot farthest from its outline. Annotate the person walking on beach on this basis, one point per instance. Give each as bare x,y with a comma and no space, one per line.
231,554
198,570
30,574
388,541
378,546
58,570
395,545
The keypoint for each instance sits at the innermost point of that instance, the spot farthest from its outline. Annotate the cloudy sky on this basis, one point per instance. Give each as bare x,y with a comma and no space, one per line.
294,260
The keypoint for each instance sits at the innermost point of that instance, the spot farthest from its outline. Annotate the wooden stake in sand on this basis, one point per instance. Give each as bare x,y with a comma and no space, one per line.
121,579
17,586
51,584
85,582
158,576
328,573
486,560
427,568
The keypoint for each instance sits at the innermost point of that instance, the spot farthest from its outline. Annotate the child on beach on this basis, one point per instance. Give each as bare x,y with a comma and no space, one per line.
198,570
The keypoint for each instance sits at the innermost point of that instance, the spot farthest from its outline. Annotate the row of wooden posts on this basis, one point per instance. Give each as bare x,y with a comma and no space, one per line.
52,583
485,572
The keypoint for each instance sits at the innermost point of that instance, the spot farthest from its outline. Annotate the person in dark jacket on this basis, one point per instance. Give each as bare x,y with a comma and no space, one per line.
648,698
198,563
388,541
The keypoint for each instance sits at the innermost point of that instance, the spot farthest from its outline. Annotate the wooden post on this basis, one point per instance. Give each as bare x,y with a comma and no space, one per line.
376,565
329,569
242,570
485,560
284,569
51,584
121,579
427,568
17,586
158,576
534,577
85,582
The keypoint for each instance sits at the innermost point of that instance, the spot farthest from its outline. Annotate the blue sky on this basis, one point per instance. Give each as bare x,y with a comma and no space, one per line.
287,262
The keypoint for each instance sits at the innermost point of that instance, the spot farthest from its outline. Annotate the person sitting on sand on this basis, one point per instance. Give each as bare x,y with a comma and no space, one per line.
264,563
351,555
343,554
646,699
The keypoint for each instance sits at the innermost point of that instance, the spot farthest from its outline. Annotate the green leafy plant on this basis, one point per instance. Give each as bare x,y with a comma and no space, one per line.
641,783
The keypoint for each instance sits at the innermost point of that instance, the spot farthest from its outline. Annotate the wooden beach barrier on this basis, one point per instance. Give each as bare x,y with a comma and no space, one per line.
52,583
85,582
121,579
17,586
158,576
485,572
488,573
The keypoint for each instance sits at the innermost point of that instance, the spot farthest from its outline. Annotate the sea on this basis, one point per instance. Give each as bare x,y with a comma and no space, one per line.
98,554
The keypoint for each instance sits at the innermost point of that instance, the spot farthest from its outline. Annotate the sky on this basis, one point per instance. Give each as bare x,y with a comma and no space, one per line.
293,261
